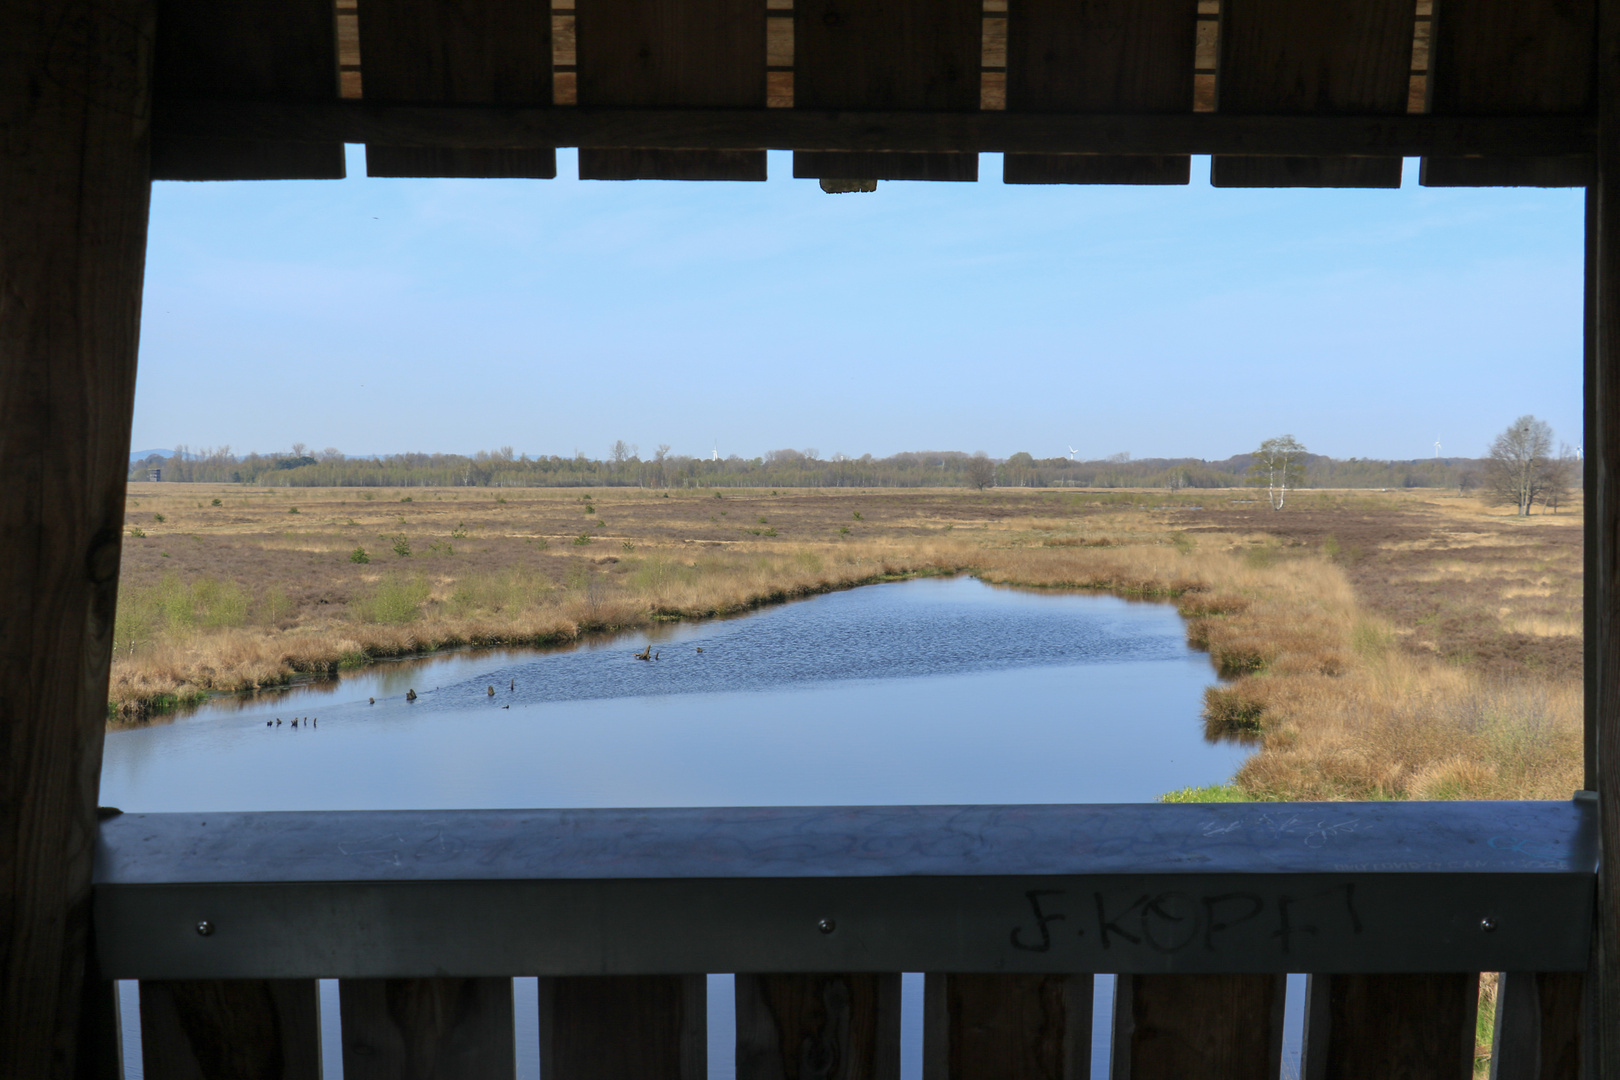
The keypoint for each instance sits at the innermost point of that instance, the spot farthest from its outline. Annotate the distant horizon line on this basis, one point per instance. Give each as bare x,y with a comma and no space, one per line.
808,454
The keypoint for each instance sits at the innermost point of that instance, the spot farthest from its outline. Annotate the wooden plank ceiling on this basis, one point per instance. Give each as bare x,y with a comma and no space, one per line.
1116,58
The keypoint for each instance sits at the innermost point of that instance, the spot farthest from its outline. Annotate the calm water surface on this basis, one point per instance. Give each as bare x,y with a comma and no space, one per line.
937,691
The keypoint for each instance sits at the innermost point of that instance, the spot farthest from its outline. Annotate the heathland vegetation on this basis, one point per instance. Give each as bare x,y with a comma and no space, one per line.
624,467
1372,645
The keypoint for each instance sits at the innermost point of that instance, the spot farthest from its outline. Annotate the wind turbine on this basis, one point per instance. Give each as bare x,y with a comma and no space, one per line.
1072,452
716,456
1437,449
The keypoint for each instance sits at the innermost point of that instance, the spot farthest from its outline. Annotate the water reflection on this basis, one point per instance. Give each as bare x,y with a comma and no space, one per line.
939,691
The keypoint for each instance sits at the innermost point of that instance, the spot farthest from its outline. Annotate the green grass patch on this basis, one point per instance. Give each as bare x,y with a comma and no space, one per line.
392,600
1208,793
508,593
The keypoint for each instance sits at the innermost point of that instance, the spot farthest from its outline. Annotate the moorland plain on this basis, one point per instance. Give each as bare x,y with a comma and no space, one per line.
1373,645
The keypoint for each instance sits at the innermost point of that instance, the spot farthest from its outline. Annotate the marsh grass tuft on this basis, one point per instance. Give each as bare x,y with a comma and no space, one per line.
1232,712
513,592
392,600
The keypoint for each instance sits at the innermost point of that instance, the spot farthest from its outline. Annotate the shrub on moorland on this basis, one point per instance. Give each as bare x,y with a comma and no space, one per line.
392,600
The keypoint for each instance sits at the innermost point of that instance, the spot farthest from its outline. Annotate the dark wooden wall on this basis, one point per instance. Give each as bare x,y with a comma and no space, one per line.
73,201
1602,461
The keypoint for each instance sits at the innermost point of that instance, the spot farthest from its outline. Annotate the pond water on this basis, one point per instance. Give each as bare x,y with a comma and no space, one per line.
932,691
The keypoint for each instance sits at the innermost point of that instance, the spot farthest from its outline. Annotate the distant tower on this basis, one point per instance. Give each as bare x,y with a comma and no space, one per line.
716,456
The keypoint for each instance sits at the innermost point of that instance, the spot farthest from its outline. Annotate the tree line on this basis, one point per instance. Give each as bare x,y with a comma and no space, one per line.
623,466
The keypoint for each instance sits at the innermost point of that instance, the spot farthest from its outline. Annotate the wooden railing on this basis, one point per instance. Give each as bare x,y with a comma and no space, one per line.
1393,909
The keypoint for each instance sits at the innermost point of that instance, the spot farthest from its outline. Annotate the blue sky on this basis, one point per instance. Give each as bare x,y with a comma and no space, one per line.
378,316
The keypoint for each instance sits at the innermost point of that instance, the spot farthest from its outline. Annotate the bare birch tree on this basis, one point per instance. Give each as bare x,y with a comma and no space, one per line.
1520,466
1279,464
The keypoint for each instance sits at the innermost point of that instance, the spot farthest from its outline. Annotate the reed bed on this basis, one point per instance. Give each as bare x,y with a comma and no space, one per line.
1339,699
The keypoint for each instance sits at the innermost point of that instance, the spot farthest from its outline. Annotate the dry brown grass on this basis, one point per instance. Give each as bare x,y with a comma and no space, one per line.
1320,618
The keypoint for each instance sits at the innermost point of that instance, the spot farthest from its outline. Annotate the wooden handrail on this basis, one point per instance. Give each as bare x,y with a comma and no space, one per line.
1393,909
1369,887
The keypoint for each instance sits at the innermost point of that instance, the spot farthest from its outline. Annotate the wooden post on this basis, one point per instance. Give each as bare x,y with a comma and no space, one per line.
603,1027
445,1028
1007,1027
74,185
1602,497
268,1029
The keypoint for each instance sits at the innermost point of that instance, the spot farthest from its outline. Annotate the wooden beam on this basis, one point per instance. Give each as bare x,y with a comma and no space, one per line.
1100,56
1510,56
789,129
1313,57
671,53
1602,497
274,48
74,179
900,54
495,52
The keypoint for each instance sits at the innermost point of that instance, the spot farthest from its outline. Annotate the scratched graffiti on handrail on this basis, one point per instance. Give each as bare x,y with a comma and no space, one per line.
1313,832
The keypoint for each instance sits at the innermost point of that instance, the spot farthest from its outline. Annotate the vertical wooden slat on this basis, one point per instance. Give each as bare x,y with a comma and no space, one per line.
1515,58
886,54
1007,1027
225,1029
806,1027
603,1027
427,1029
100,1042
1538,1026
282,49
1104,56
74,191
1416,1027
472,52
691,53
1603,503
1187,1027
1313,57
